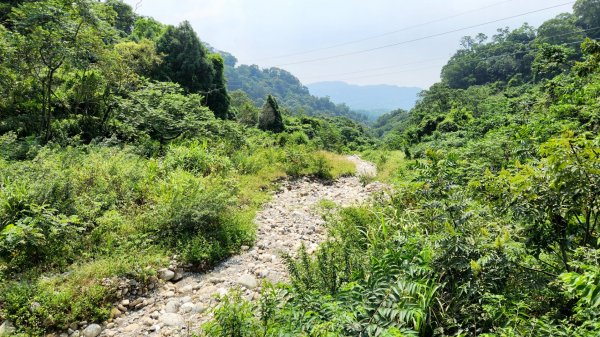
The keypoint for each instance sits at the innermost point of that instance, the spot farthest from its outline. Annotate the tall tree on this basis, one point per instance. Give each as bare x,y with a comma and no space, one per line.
185,59
217,99
125,16
270,118
588,16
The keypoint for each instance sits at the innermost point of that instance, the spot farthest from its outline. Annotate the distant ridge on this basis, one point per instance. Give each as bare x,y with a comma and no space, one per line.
369,97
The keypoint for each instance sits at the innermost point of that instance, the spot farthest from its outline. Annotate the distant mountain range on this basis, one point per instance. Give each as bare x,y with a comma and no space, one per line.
374,98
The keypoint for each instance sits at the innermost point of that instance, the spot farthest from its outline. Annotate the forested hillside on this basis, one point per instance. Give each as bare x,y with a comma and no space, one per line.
493,228
297,99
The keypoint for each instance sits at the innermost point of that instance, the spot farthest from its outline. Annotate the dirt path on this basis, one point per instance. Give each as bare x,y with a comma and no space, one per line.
290,219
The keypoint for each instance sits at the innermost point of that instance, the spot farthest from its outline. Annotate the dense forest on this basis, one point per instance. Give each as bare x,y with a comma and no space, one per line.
122,145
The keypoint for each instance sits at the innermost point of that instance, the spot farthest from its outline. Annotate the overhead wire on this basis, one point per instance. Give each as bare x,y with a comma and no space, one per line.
443,58
388,33
479,59
424,37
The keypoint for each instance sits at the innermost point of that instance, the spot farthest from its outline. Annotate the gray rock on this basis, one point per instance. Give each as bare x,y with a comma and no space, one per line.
166,274
92,330
178,275
132,328
247,281
147,321
186,307
186,289
172,307
173,320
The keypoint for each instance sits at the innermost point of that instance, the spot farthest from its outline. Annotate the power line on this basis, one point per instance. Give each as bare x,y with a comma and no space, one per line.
436,59
381,68
480,59
423,38
388,33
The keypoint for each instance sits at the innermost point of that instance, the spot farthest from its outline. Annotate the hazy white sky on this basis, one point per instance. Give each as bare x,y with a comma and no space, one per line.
280,32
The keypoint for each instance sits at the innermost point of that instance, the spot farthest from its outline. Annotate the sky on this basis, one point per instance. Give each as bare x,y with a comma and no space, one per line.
397,42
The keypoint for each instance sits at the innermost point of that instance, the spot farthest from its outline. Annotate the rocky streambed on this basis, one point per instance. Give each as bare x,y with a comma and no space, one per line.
181,303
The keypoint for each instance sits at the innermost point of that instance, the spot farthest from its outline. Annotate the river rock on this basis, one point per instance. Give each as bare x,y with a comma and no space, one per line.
166,274
247,281
92,330
172,307
173,320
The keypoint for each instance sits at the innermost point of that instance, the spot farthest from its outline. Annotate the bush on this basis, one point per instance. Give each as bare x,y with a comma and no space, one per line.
197,158
39,237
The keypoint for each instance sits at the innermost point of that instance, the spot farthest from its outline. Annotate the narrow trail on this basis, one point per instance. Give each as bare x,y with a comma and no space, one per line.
291,218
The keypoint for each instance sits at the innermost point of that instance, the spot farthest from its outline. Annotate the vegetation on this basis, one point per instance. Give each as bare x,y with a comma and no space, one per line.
493,227
119,148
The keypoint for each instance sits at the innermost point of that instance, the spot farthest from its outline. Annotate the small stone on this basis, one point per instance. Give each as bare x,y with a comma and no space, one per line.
75,333
154,328
172,307
110,325
166,274
121,308
132,328
125,303
247,281
178,275
186,307
93,330
136,302
187,289
186,299
155,315
147,321
114,313
172,319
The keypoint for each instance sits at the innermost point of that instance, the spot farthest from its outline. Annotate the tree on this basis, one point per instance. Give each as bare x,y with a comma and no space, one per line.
588,16
147,28
125,16
270,118
246,111
185,59
551,60
560,30
56,34
161,111
217,98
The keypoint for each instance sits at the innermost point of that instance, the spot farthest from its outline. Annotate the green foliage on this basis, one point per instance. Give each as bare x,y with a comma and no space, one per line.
160,111
38,237
270,118
233,318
